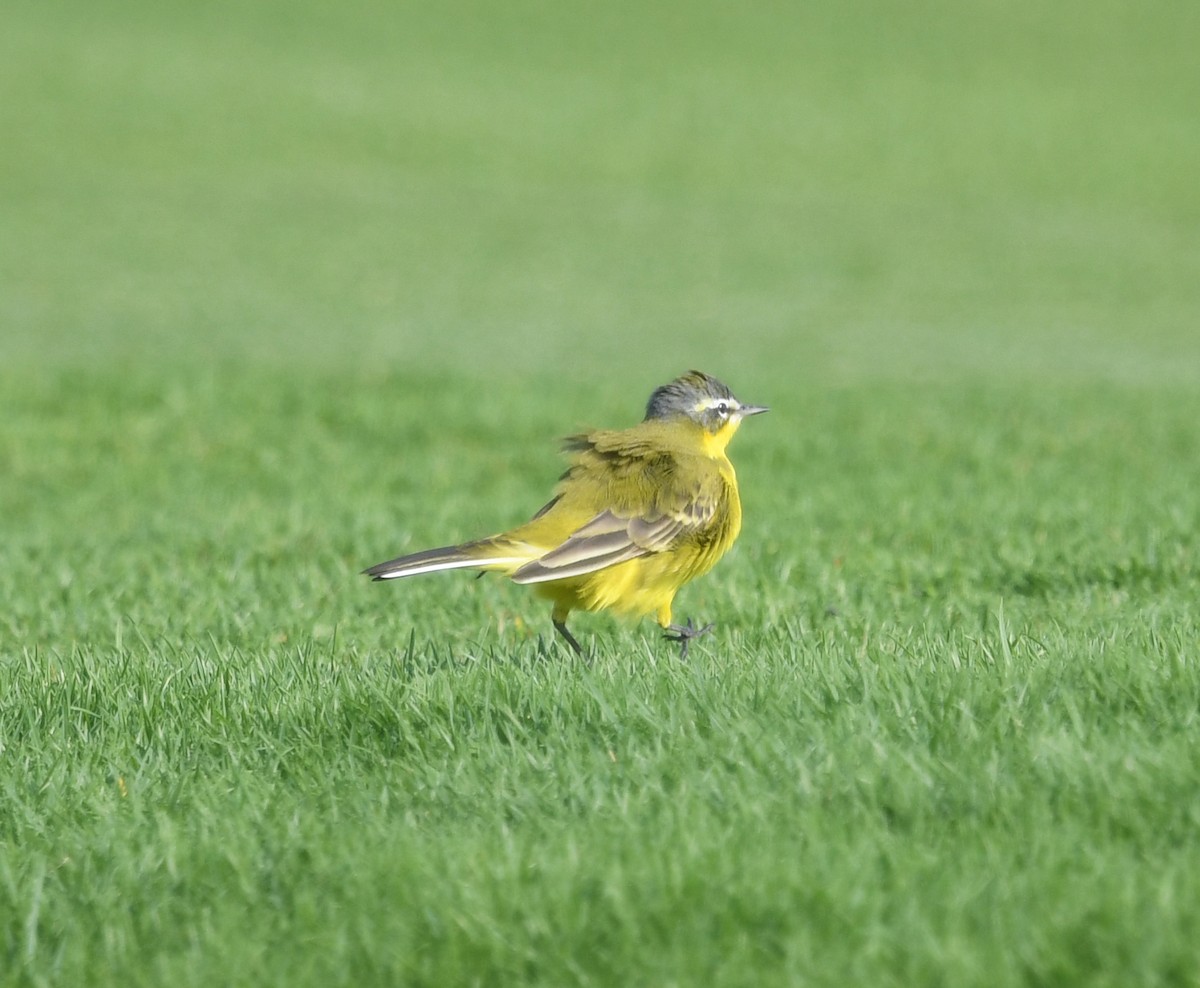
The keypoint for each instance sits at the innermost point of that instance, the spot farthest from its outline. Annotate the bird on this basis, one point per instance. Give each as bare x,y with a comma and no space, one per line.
638,513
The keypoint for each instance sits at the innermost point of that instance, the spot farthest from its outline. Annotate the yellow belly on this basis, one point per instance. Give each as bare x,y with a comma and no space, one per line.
639,586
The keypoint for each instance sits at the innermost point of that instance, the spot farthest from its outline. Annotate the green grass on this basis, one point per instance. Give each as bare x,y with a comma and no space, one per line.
284,292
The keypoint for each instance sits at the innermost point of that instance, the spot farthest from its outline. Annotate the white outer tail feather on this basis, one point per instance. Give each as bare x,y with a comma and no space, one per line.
416,569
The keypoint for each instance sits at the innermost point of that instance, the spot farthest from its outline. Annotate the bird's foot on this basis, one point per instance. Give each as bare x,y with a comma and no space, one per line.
684,633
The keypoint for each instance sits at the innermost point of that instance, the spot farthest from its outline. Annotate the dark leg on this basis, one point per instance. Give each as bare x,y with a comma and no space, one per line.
561,628
684,633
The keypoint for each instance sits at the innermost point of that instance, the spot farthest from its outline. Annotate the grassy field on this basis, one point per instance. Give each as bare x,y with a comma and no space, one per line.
288,289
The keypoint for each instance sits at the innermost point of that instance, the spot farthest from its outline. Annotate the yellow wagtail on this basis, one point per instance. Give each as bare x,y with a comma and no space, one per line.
638,513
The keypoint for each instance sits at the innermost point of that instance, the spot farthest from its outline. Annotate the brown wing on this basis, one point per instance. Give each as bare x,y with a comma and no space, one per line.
655,506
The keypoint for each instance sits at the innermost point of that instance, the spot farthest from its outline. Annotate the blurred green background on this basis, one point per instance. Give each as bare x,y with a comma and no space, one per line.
776,192
290,288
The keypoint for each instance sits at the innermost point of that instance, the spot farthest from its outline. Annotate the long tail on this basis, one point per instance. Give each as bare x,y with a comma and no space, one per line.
486,554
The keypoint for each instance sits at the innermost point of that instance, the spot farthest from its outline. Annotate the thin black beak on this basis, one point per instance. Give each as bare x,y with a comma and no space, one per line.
747,410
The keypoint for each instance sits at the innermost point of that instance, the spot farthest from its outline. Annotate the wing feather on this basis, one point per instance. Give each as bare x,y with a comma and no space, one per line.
538,572
625,495
604,541
609,539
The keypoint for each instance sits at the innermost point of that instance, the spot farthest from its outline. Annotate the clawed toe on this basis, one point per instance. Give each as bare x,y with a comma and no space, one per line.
684,633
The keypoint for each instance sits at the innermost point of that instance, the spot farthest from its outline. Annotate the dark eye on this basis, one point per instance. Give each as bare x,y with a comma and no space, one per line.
723,409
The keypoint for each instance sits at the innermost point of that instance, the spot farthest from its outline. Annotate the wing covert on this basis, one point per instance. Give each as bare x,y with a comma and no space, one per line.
613,537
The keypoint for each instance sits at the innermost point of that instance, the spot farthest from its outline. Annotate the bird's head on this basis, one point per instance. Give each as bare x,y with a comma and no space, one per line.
705,401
